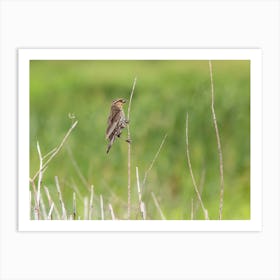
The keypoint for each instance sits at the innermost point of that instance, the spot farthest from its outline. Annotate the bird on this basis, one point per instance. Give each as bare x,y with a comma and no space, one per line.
116,122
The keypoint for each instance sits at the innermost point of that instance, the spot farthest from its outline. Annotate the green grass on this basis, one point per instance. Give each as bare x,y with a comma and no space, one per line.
164,93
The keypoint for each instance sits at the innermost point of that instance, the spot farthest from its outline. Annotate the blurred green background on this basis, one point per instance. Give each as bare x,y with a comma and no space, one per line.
165,91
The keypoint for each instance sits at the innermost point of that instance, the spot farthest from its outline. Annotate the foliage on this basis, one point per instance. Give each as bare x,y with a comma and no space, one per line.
164,93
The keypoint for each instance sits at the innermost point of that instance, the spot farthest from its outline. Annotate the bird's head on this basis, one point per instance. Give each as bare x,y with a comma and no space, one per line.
119,102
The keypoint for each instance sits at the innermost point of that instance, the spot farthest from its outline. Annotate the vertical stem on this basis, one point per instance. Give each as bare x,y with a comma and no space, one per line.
218,143
191,171
112,212
129,155
50,212
101,207
91,203
74,206
192,210
64,214
85,208
39,180
157,206
141,203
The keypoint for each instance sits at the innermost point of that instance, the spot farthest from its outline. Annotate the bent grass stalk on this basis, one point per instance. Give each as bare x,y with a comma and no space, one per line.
50,212
153,161
91,203
64,215
50,201
129,154
74,206
157,206
218,143
42,167
55,151
191,172
101,207
141,203
112,212
40,177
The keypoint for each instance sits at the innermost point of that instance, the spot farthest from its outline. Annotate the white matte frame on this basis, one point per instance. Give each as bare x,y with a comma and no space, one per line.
139,255
253,55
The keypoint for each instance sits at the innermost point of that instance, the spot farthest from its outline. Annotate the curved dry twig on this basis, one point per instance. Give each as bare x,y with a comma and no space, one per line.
129,154
218,143
191,172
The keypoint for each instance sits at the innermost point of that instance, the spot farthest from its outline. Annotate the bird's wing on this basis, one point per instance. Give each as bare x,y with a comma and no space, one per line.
113,121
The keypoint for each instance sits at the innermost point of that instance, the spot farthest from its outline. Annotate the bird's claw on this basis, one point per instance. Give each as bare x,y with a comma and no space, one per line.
128,141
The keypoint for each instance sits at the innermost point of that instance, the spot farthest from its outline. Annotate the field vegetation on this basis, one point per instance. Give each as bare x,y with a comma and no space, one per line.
81,181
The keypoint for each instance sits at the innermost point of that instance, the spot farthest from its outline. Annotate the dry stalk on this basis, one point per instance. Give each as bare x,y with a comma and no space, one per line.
55,151
153,161
218,143
50,201
101,207
200,189
157,206
129,154
150,168
36,206
42,205
191,172
30,204
112,212
74,206
50,212
77,168
91,203
192,210
49,153
64,215
40,176
86,208
141,203
76,189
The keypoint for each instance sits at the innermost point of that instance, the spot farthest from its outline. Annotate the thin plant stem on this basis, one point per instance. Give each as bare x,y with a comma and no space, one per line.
56,150
50,212
200,189
157,206
153,161
64,215
50,200
49,153
192,210
91,203
42,205
86,208
77,168
141,203
30,204
112,212
129,154
101,207
36,206
191,172
74,206
218,143
39,178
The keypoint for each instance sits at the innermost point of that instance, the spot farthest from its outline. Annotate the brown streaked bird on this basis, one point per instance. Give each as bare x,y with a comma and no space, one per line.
116,121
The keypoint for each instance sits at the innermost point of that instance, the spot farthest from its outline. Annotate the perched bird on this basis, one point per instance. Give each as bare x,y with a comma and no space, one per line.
116,122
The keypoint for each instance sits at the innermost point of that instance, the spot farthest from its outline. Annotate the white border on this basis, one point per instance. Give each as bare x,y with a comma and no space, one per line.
254,55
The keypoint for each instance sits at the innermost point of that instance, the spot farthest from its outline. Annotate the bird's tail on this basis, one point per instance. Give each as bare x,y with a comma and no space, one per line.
110,144
108,148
